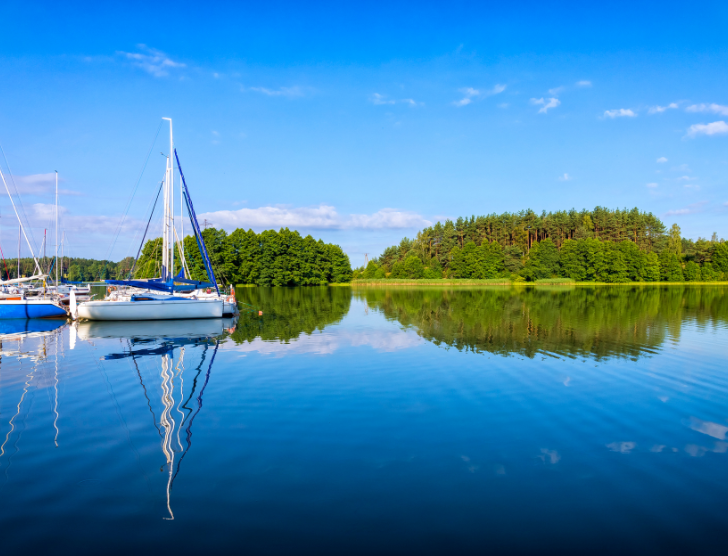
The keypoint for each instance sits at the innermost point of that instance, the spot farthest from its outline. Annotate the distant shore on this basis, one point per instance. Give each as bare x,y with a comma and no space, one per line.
505,282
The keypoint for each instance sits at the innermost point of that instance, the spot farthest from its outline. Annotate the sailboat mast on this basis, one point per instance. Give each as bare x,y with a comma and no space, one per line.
56,227
171,203
168,188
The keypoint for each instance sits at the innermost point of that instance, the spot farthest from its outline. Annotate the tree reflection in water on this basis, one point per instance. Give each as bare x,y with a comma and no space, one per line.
289,312
596,322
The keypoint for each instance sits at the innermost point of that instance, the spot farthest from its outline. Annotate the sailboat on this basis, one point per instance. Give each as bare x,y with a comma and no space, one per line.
169,296
14,303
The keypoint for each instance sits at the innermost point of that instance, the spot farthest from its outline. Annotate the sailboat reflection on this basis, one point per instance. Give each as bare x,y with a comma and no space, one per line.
37,340
170,341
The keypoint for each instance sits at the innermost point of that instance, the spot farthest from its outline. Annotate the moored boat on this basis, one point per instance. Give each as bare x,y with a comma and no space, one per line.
170,296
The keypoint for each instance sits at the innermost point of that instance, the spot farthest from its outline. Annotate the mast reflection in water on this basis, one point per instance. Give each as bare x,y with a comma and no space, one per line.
162,344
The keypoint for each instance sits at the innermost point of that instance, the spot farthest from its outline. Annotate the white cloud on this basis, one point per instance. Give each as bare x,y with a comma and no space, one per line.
556,90
288,92
661,109
317,217
714,128
714,108
378,99
565,177
387,218
619,113
584,83
412,102
661,160
690,209
38,184
470,93
546,104
686,178
652,185
151,60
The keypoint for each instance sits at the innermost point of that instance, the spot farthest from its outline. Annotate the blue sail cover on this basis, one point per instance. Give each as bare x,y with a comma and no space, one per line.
158,284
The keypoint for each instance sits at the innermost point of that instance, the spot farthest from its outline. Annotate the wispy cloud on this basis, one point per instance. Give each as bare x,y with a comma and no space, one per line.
546,104
619,113
690,209
151,60
715,128
556,90
380,99
686,178
661,160
584,83
288,92
713,108
322,217
565,177
40,184
470,94
661,109
652,185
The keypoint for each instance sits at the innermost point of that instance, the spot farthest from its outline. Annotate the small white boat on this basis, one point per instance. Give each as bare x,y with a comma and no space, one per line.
150,306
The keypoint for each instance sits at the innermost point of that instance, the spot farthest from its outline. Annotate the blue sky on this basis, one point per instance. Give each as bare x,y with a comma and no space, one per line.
362,123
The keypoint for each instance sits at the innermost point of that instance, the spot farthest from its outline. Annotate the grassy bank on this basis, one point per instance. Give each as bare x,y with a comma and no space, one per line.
506,282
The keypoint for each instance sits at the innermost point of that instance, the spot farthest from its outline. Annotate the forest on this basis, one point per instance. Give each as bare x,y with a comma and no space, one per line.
600,245
269,258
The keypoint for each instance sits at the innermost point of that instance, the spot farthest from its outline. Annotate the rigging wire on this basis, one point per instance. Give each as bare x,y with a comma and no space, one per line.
133,193
20,200
131,271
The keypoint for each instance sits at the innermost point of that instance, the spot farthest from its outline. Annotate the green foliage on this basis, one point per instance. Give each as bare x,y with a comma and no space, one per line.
398,270
543,261
720,256
413,267
692,272
708,274
670,269
652,268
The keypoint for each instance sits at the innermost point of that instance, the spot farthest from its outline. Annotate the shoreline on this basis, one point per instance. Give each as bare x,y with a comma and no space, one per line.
467,282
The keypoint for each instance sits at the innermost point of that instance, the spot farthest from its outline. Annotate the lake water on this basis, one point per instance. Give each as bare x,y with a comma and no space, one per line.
374,421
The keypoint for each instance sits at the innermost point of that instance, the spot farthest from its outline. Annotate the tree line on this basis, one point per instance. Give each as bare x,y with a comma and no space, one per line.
600,245
74,269
269,258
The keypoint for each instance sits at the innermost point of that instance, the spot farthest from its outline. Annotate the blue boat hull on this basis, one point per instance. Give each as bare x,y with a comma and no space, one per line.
30,309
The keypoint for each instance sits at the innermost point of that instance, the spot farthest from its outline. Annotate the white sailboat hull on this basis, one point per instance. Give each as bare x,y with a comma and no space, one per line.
151,310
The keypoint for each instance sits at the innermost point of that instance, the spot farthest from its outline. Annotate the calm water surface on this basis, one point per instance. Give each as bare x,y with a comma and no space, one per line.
374,421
